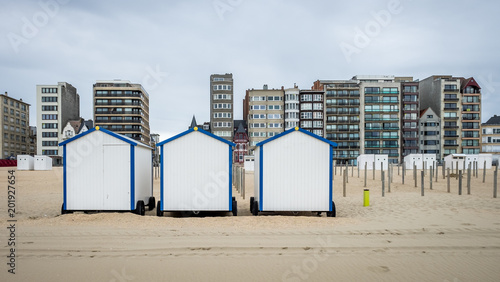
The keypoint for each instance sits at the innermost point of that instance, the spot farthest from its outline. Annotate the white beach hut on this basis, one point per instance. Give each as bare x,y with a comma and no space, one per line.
249,163
482,158
454,160
369,159
105,171
25,162
293,172
42,163
419,160
196,173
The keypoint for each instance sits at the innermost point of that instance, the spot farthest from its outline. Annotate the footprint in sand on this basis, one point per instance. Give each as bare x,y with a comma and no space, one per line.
468,224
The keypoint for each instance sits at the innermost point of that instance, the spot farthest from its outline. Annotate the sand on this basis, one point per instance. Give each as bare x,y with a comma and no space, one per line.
400,237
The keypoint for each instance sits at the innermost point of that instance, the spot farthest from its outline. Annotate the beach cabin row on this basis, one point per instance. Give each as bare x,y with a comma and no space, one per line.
105,171
463,161
420,161
27,162
373,162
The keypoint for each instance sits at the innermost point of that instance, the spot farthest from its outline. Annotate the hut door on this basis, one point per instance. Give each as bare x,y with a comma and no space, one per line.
116,176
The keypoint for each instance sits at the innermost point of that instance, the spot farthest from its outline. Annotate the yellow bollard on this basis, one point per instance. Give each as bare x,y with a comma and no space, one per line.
366,197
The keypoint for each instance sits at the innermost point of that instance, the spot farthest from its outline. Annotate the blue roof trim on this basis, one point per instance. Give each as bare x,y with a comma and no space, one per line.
293,130
77,136
200,130
116,135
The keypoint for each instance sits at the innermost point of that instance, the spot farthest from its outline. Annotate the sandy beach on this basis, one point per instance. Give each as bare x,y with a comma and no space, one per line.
400,237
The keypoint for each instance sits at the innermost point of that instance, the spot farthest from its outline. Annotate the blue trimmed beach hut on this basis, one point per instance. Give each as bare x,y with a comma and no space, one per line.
106,171
196,173
293,172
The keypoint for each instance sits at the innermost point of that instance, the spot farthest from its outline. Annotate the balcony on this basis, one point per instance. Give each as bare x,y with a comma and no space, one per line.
451,126
450,89
117,121
118,95
451,99
450,145
133,103
450,136
450,118
117,112
451,109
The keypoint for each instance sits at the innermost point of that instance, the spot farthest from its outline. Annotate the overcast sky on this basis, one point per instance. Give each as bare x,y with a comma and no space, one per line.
172,47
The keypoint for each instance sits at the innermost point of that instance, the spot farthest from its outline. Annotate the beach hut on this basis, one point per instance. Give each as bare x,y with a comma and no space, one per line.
196,173
293,172
419,160
42,163
482,158
369,159
249,163
106,171
25,162
457,160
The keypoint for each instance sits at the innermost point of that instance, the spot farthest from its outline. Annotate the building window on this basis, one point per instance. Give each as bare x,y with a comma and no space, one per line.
222,106
50,108
258,116
274,98
257,107
222,96
49,125
49,117
372,90
274,116
49,143
49,90
49,99
222,115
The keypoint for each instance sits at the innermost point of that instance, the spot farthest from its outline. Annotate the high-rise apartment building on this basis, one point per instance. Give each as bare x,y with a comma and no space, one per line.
122,107
380,116
56,104
312,111
221,105
430,134
342,110
15,129
410,113
292,108
265,114
458,103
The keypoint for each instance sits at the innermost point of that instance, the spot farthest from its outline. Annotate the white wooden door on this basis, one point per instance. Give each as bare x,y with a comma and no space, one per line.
116,176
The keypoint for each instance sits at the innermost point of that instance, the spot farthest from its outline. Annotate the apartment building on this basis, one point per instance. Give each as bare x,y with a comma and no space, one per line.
380,116
490,139
221,105
265,114
122,107
430,134
15,129
458,102
342,117
410,114
312,117
56,105
292,107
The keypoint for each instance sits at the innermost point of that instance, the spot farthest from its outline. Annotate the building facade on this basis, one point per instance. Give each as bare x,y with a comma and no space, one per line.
241,141
292,108
15,129
458,103
430,133
312,111
490,138
410,114
56,105
265,114
342,117
221,105
122,107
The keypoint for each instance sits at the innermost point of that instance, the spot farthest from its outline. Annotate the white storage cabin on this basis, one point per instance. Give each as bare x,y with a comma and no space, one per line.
469,159
249,163
106,171
293,172
380,161
25,162
42,163
482,158
420,160
196,173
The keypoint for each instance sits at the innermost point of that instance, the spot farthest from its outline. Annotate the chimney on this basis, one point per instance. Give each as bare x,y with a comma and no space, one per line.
265,87
6,94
